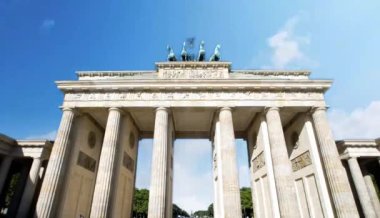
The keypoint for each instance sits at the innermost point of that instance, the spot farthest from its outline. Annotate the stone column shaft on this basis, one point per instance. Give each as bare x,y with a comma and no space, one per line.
372,193
230,182
269,166
159,177
335,173
30,187
361,188
4,169
102,202
287,199
49,198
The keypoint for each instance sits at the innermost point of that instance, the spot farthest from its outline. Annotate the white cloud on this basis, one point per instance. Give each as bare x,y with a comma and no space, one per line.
48,24
286,46
49,135
360,123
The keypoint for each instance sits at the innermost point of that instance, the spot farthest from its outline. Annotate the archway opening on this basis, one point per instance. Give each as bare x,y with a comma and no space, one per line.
193,181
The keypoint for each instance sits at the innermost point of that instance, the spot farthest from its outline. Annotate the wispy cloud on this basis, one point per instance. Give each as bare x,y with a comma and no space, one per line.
286,46
47,24
49,135
360,123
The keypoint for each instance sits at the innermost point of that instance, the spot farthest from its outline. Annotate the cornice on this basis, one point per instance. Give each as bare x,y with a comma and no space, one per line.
35,143
112,74
305,73
210,85
8,140
356,143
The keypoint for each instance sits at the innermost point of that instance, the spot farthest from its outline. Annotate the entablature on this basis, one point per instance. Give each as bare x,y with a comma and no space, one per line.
214,85
358,148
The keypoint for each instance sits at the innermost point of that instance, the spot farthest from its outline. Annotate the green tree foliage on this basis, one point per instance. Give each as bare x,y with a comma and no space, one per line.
246,205
246,202
15,179
201,213
210,209
140,203
177,211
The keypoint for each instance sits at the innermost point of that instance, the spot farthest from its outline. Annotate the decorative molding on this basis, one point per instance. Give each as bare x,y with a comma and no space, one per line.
155,84
368,148
301,161
258,162
191,95
193,74
274,73
107,74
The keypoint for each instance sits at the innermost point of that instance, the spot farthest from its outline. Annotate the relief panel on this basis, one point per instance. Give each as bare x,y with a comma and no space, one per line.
301,161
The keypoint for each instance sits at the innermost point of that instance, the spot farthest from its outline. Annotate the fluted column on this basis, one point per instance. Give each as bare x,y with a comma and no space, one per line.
49,198
287,199
361,188
230,182
104,193
4,169
336,175
30,187
159,177
372,193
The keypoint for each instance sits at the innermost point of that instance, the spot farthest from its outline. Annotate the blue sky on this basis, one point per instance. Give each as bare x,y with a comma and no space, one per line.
42,41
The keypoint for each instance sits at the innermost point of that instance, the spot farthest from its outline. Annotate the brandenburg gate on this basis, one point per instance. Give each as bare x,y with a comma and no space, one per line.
295,167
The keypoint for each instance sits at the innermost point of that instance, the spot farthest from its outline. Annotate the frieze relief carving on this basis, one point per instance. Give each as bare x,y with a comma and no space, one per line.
301,161
193,74
192,95
258,162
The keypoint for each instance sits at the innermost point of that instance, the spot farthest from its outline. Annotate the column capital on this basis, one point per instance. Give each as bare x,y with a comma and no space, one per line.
67,109
116,109
162,109
225,109
267,109
71,109
314,109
